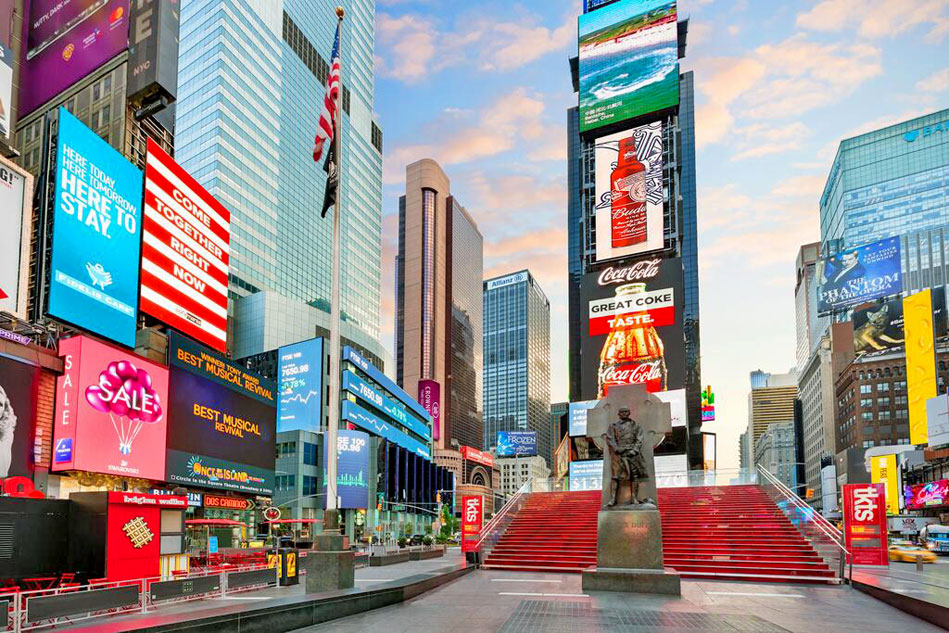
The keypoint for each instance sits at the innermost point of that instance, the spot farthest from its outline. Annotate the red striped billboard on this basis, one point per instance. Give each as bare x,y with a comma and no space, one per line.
186,236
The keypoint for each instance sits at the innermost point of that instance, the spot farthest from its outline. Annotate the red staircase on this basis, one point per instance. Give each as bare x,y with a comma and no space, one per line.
728,533
554,532
734,533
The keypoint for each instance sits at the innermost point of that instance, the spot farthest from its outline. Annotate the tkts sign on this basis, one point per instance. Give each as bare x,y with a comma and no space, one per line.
633,332
472,514
865,523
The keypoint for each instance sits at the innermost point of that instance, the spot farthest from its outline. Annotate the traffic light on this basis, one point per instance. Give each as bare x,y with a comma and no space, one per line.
809,493
438,497
380,499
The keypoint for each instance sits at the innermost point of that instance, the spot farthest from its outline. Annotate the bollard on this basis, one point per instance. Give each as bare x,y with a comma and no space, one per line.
919,563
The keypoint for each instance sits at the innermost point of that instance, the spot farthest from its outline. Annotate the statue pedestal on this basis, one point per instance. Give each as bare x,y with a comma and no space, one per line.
629,554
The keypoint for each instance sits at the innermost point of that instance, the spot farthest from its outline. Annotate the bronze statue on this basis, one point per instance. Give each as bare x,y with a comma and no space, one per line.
625,439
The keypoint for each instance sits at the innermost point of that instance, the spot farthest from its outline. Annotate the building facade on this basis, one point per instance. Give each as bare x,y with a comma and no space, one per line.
516,358
816,393
515,471
872,402
439,305
250,73
680,234
888,182
770,401
775,452
558,429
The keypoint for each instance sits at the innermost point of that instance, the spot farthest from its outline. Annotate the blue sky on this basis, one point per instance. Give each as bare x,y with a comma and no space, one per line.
484,87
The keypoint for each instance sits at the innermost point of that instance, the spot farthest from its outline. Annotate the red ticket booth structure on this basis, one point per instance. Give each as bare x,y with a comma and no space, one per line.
123,535
865,523
472,519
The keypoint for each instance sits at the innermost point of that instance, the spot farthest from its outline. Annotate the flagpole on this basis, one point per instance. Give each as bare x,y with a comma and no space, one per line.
331,515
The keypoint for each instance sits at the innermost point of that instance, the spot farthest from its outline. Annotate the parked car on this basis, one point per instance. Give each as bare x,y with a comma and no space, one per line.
907,552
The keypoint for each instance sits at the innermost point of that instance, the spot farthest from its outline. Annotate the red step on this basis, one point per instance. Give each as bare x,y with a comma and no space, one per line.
733,532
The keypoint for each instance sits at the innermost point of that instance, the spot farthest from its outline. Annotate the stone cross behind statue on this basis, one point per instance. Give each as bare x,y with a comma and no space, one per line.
655,419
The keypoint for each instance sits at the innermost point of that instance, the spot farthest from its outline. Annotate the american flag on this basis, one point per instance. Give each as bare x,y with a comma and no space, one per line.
324,132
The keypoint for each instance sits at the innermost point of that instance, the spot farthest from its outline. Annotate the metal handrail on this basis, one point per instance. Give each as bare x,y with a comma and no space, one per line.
496,519
823,525
826,526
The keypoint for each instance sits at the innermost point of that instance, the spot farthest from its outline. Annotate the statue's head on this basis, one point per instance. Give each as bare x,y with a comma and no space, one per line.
624,413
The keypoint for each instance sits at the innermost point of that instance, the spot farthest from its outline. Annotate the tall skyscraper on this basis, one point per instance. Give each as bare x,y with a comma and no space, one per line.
251,76
771,400
679,230
888,182
439,305
517,359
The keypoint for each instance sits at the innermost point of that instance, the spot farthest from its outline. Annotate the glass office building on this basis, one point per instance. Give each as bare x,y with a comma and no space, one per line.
251,77
680,233
517,359
888,182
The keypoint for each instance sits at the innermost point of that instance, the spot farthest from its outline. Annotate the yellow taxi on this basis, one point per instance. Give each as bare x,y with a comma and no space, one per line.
907,552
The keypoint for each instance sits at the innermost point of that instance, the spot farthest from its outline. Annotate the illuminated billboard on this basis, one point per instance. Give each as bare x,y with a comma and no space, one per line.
222,422
628,61
96,233
935,494
300,371
517,443
632,327
577,414
586,475
65,41
19,391
859,274
185,252
629,196
352,469
16,215
878,325
111,411
921,384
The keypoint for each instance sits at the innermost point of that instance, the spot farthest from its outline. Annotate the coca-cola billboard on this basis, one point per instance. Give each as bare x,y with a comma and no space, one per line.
632,327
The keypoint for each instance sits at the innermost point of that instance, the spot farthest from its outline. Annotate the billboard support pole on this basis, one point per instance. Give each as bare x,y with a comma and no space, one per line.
331,514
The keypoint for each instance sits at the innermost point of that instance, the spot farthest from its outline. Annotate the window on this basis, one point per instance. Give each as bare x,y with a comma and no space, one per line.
309,486
866,388
899,385
309,454
865,403
883,386
866,416
883,402
286,482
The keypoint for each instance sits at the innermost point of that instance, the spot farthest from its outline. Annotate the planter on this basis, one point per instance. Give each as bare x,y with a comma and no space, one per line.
388,559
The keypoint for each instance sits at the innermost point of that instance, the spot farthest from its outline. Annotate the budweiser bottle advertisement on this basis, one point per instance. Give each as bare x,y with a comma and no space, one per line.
628,187
631,354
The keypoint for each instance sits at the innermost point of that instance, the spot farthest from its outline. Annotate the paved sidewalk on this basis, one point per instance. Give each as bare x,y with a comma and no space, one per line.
367,578
924,593
489,601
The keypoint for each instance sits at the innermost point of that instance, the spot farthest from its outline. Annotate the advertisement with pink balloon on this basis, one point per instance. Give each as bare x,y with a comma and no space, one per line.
110,411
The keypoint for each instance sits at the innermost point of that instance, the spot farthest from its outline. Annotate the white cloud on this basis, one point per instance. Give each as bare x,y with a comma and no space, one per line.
758,140
936,82
877,18
515,119
413,47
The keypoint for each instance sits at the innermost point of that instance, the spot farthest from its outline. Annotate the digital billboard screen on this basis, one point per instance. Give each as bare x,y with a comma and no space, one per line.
586,475
15,217
931,495
19,384
65,41
111,411
859,274
632,327
878,325
352,469
517,443
185,252
301,386
629,196
577,412
96,233
222,422
628,61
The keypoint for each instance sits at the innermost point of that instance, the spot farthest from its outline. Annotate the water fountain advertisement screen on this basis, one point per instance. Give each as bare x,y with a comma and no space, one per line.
629,61
111,412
